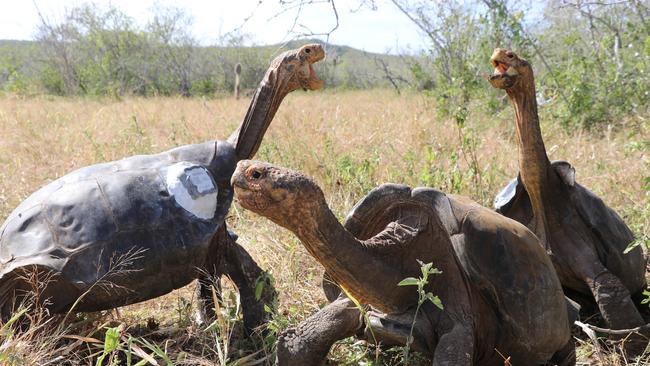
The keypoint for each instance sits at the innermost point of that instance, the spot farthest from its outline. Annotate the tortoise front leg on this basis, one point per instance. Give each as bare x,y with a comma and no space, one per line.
617,308
310,341
210,276
246,274
226,257
455,348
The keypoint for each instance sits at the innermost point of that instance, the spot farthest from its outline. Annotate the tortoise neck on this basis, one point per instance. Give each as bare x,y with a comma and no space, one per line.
353,265
533,161
265,103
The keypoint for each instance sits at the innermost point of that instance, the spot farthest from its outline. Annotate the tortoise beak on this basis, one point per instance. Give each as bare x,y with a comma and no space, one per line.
504,75
317,54
238,179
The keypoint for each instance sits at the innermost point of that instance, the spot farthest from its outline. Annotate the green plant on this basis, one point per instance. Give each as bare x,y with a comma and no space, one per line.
111,344
423,296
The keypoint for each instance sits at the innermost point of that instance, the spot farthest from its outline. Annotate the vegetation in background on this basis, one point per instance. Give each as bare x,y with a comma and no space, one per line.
592,59
98,51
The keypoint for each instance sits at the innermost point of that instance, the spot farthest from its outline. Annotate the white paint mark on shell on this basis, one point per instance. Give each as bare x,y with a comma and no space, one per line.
193,189
506,194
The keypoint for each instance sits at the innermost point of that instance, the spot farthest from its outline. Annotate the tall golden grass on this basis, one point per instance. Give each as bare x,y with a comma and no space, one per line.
348,141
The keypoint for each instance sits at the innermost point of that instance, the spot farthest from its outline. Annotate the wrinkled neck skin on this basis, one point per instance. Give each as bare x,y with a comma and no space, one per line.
533,161
348,261
369,272
266,101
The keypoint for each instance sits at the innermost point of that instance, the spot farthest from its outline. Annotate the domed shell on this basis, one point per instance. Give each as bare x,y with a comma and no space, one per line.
129,230
501,258
612,235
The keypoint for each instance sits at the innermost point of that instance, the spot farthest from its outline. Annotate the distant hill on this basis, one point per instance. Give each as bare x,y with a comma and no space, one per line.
23,63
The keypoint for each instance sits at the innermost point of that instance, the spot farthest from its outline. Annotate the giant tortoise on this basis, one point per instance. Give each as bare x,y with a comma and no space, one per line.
122,232
501,296
585,239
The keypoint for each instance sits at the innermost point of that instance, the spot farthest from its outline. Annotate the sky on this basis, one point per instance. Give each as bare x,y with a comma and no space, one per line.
381,30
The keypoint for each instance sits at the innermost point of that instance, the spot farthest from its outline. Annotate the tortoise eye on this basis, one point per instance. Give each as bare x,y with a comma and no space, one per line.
307,50
510,55
256,174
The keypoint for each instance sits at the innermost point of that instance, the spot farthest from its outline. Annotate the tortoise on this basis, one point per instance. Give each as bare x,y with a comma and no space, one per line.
500,294
585,238
130,230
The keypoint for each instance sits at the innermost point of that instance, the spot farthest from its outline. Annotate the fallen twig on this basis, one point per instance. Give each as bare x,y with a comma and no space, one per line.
611,331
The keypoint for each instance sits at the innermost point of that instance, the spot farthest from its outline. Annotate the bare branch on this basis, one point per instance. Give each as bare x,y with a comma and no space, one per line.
639,329
388,74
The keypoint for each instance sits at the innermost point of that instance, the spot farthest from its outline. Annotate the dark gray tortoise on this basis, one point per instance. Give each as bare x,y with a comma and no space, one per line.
585,239
500,293
134,229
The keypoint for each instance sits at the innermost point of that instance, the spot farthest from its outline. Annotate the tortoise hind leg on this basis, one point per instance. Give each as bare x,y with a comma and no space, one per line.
617,308
310,341
207,281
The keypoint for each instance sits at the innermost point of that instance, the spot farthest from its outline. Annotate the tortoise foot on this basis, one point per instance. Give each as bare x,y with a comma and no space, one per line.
310,341
619,311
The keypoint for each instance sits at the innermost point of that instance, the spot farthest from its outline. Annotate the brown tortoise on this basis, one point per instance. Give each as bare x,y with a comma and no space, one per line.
130,230
498,286
584,238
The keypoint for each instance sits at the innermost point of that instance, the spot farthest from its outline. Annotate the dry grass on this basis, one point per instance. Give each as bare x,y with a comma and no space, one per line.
348,141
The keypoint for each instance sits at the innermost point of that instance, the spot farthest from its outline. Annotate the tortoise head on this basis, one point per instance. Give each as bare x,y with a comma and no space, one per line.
284,196
294,68
509,69
289,71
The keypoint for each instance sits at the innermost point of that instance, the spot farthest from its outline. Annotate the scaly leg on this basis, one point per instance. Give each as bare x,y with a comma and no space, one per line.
310,341
455,348
247,275
617,308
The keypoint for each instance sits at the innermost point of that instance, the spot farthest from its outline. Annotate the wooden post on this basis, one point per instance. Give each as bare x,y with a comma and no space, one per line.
237,74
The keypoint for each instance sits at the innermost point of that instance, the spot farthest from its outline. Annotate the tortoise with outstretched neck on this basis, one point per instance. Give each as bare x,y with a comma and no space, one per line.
500,293
584,237
134,229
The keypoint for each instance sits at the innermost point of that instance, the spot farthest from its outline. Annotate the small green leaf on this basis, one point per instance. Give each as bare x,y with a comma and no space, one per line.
435,300
646,293
112,340
259,287
6,329
632,245
409,281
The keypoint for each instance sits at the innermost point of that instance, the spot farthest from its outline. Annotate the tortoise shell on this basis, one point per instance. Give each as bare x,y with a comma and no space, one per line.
128,230
501,259
610,231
